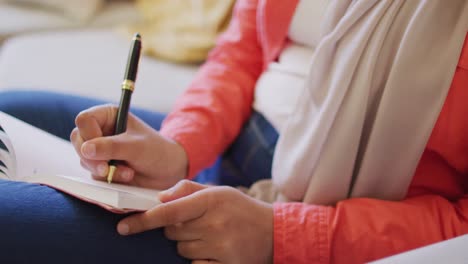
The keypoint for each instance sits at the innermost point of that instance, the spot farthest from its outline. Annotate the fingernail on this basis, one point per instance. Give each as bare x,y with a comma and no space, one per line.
89,150
102,169
123,229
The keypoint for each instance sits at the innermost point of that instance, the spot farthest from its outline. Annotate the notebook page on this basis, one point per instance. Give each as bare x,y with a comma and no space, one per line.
38,152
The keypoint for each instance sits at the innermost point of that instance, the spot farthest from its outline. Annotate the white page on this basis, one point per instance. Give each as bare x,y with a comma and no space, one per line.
38,152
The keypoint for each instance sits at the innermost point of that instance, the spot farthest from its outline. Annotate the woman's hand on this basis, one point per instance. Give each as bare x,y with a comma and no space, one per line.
211,224
150,160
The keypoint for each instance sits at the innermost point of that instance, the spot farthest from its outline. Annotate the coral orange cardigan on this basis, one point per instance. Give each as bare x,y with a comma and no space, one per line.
207,118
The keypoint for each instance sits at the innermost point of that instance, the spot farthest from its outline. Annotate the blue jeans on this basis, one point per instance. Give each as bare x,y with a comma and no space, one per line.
39,224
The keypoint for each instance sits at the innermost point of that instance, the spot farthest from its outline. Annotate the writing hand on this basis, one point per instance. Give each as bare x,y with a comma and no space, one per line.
216,224
151,160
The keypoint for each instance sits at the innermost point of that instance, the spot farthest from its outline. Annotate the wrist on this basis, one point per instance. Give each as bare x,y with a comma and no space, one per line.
178,158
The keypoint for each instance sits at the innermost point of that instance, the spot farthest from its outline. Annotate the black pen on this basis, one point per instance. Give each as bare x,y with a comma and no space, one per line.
128,85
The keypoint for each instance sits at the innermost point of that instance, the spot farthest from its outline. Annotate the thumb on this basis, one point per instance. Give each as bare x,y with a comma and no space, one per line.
181,189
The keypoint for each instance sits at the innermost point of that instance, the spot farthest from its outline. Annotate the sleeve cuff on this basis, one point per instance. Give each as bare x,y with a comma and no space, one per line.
181,130
171,132
301,233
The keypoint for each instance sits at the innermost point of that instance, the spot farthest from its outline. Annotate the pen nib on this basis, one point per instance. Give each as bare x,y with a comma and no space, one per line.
111,173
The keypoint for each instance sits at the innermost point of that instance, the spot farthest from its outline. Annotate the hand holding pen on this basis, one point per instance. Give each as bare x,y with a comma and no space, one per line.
140,156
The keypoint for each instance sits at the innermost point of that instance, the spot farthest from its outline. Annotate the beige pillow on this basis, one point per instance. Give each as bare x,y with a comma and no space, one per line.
181,30
80,10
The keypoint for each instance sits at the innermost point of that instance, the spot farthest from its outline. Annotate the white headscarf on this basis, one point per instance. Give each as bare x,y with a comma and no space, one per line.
378,80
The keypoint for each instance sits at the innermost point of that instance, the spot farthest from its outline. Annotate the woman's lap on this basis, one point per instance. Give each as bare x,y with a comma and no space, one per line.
41,224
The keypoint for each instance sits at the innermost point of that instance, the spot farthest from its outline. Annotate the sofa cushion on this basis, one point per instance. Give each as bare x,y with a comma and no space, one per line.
20,19
89,63
80,10
16,19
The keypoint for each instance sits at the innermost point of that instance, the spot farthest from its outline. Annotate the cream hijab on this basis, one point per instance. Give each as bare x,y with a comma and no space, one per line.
377,83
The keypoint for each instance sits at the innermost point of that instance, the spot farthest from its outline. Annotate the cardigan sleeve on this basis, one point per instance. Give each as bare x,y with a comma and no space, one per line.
209,115
360,230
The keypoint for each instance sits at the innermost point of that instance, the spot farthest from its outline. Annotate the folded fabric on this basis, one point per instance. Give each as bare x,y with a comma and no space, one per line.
181,31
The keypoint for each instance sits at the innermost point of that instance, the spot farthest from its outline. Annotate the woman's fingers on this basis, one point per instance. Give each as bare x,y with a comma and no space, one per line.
118,147
96,121
181,210
76,140
98,168
187,231
181,189
195,249
88,125
122,174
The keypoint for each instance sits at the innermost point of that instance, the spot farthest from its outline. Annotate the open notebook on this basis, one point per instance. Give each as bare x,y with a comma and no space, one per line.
29,154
